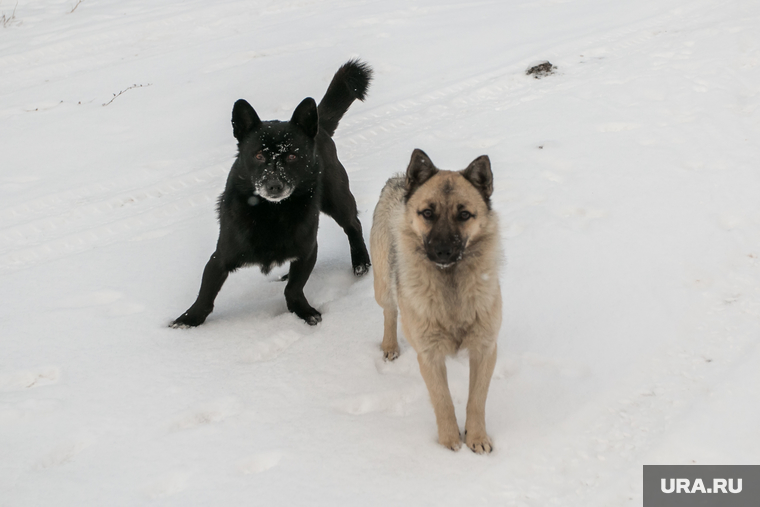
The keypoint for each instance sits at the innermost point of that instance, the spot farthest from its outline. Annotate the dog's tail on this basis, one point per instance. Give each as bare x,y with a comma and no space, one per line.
349,83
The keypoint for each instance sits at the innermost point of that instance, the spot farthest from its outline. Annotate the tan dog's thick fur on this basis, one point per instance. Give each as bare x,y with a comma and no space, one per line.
436,252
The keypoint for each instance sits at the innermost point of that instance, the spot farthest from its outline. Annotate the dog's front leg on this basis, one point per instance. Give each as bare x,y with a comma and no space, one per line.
214,275
433,369
339,203
390,340
297,276
482,363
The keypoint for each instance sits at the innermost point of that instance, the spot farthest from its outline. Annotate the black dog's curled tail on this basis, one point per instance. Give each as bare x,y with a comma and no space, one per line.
349,83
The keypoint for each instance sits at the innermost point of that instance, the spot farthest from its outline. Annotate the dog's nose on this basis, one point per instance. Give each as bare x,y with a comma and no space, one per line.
274,187
443,252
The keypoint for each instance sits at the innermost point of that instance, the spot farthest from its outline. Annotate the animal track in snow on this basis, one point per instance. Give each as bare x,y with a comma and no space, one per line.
405,364
513,229
270,348
260,462
64,453
581,217
506,367
28,379
392,402
210,413
168,485
731,221
551,176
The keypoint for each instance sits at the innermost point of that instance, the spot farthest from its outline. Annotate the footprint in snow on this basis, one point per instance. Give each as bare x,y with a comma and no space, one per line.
269,348
260,462
28,379
210,413
168,485
64,452
392,402
404,365
513,229
579,218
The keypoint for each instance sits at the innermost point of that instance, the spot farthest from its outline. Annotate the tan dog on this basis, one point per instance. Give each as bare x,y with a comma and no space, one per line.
436,252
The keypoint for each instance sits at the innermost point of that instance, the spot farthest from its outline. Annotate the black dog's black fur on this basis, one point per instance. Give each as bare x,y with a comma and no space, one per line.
284,175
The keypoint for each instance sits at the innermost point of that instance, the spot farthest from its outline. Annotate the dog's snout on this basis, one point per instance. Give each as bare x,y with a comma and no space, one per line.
274,186
443,252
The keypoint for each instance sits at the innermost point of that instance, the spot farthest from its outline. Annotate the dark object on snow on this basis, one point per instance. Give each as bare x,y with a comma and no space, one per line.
285,173
543,69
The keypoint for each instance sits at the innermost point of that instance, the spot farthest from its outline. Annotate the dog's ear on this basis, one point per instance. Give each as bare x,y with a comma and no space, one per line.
420,170
244,119
306,117
479,174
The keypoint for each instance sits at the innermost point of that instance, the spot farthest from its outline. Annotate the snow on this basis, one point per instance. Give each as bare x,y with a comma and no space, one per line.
627,187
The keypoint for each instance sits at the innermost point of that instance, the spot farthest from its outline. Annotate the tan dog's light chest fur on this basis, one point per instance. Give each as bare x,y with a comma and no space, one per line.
436,252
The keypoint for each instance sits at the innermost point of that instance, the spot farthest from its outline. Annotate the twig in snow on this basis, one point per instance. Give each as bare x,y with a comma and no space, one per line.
5,20
124,91
75,7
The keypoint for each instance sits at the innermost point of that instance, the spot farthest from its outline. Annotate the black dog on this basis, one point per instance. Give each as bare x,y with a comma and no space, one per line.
284,175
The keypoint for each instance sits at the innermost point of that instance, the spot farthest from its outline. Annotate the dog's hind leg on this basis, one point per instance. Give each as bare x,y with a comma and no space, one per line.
214,275
299,273
482,363
433,369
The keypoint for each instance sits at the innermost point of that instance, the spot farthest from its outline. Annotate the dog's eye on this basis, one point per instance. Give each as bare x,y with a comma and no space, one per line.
260,157
464,216
427,214
291,157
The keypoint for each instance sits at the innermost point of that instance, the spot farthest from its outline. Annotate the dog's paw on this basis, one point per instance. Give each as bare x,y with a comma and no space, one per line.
313,320
451,441
361,269
479,443
390,355
311,316
303,309
186,321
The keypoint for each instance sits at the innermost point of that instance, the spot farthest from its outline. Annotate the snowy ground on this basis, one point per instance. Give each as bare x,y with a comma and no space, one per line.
627,185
